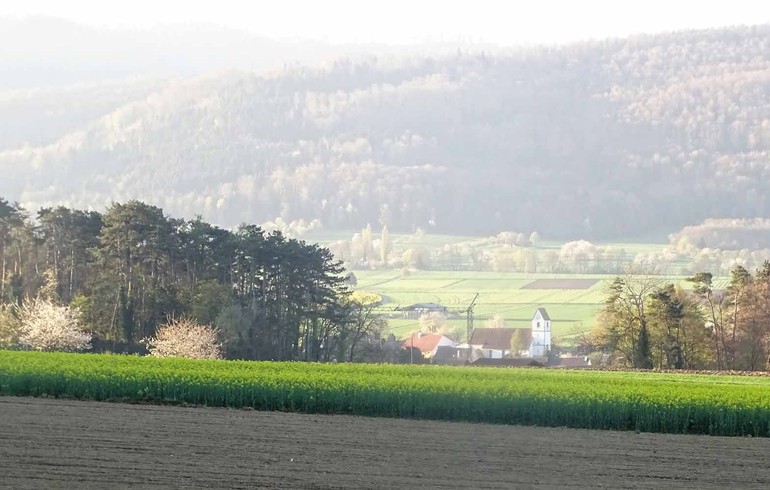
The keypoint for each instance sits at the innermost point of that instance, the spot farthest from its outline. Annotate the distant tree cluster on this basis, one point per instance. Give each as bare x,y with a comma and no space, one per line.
723,234
646,323
577,256
365,250
68,275
504,252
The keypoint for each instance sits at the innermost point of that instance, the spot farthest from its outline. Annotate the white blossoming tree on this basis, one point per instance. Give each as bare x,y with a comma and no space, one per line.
495,321
432,321
184,337
46,326
10,325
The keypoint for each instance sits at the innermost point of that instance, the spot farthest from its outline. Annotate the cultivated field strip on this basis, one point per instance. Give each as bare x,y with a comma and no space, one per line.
47,443
500,294
651,402
507,294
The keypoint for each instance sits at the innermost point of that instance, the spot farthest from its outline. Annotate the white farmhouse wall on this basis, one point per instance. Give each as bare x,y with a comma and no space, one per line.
446,341
493,354
443,341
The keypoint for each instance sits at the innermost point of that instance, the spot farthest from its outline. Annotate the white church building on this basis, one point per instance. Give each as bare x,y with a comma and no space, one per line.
499,343
541,334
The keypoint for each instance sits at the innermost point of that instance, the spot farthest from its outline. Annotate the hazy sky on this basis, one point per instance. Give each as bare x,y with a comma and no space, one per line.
407,21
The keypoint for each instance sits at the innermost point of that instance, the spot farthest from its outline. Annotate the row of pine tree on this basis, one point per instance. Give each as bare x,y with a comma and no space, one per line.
132,267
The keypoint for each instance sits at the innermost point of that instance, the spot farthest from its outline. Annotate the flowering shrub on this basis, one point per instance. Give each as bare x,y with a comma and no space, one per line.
10,325
432,321
183,337
47,326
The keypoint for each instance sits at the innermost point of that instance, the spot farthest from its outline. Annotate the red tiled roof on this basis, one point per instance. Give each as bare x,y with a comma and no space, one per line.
426,342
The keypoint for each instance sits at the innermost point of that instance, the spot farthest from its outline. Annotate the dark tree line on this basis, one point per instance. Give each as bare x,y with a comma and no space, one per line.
128,269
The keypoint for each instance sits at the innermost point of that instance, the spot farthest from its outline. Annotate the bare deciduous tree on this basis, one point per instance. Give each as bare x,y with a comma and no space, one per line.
625,319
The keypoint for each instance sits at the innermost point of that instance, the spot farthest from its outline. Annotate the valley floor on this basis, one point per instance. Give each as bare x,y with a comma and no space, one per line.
47,443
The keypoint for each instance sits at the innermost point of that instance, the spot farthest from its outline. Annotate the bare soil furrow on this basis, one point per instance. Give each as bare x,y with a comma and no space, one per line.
47,443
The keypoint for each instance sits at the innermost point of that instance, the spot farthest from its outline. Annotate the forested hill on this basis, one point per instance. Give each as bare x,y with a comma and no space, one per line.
596,140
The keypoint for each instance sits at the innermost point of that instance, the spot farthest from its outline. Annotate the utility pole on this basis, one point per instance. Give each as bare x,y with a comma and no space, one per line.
411,352
469,324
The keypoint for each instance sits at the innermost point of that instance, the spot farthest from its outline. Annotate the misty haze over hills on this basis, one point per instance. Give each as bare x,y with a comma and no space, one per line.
598,140
51,52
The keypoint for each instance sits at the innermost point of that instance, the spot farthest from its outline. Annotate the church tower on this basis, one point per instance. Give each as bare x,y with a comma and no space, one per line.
541,334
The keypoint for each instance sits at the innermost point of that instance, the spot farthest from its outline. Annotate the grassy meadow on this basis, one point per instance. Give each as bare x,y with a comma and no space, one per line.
500,293
454,279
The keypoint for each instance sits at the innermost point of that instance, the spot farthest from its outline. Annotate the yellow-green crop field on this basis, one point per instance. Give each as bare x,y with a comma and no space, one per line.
650,402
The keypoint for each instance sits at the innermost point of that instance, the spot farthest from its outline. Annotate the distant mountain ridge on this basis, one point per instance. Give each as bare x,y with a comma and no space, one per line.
595,140
46,52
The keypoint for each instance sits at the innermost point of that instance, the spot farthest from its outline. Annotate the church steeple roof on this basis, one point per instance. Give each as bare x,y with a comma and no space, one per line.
543,313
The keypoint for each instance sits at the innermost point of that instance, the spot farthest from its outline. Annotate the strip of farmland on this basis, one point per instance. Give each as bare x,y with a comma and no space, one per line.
561,284
48,443
650,402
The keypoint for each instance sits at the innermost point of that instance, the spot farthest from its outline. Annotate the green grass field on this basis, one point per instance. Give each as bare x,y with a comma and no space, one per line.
571,310
499,294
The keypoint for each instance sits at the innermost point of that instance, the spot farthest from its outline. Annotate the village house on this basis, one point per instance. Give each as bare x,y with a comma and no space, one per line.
497,343
455,355
503,347
427,343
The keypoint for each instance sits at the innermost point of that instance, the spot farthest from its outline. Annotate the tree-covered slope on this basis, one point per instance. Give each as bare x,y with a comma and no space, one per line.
596,140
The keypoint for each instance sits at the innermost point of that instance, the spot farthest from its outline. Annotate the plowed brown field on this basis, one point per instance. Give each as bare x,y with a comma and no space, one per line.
561,284
70,444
